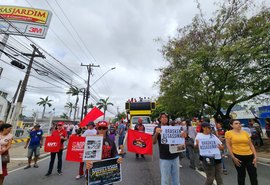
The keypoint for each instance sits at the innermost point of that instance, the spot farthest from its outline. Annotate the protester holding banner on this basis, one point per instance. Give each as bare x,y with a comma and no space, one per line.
5,143
139,127
62,133
242,152
169,162
210,155
109,149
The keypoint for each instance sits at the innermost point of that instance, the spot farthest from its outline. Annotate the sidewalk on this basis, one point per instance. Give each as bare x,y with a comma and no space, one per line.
263,152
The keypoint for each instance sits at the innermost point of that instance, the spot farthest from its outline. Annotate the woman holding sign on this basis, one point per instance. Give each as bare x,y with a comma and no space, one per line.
109,149
209,148
242,152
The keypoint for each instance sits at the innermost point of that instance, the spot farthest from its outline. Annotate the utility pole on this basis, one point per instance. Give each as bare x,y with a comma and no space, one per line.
18,106
87,94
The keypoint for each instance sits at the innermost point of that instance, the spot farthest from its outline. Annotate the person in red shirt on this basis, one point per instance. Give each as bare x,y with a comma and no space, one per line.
60,131
141,128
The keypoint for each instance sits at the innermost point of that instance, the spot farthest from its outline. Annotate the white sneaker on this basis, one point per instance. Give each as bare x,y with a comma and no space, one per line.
78,176
180,166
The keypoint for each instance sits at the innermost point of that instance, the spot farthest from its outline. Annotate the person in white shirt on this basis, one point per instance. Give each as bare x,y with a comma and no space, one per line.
90,130
211,162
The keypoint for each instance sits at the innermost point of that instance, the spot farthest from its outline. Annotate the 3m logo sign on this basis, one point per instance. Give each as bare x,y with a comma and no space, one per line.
35,30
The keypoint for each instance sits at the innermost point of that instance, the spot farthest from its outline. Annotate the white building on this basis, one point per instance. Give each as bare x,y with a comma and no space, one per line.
3,105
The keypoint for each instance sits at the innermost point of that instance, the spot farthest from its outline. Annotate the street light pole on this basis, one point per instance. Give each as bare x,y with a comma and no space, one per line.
103,75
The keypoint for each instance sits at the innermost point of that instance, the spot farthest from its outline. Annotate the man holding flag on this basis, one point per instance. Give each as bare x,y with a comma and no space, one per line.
139,127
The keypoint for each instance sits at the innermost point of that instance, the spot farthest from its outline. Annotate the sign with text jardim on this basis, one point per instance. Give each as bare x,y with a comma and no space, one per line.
24,21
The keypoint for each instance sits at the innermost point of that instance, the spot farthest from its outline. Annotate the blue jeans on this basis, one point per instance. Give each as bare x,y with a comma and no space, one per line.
121,140
169,169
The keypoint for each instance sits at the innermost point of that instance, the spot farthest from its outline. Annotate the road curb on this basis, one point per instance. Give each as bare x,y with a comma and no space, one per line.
264,160
19,140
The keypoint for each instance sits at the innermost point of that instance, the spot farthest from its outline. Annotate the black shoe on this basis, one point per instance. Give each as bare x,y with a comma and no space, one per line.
29,166
47,174
142,157
60,173
137,157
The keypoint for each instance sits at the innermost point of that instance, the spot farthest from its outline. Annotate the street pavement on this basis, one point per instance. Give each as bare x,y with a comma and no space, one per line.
135,172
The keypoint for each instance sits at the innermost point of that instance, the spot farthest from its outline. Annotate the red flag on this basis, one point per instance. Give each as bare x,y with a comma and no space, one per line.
52,144
139,142
75,148
91,116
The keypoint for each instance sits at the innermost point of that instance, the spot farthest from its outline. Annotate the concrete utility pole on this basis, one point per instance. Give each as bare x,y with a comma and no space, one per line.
18,106
87,93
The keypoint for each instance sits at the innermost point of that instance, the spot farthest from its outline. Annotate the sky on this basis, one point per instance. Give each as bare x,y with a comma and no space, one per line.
114,33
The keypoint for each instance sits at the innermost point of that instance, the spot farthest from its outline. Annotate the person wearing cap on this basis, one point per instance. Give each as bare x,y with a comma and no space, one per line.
109,149
62,133
141,128
34,143
168,162
211,162
90,130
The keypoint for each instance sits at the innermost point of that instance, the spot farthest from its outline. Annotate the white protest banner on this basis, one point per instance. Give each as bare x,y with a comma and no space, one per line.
93,148
208,147
171,135
149,128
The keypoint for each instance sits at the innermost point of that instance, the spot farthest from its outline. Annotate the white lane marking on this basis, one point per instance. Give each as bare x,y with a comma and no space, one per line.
204,175
24,166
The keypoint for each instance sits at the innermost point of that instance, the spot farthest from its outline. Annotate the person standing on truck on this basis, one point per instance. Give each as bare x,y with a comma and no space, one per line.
139,127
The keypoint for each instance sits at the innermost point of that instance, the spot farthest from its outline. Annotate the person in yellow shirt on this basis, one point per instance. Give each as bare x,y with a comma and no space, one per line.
242,152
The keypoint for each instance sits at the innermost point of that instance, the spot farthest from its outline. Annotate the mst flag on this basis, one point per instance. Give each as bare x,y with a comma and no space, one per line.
91,116
75,148
139,142
52,144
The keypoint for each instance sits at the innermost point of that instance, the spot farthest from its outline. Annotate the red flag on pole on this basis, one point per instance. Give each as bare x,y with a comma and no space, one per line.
75,148
139,142
91,116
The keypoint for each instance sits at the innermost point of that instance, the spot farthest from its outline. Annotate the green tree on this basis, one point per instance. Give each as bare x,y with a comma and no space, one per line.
103,104
75,91
217,63
70,107
64,116
44,102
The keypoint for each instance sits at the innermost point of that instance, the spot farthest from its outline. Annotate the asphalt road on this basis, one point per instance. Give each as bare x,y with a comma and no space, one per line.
135,172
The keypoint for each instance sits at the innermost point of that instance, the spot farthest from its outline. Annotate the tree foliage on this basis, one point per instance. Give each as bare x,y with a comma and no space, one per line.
103,104
75,91
217,63
44,102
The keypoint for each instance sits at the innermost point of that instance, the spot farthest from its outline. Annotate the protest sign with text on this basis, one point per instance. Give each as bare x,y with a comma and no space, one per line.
52,144
104,172
75,148
171,135
93,148
208,147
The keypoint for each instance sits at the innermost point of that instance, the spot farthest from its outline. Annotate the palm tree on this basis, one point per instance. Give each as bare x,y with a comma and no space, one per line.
64,116
70,106
44,102
75,91
103,103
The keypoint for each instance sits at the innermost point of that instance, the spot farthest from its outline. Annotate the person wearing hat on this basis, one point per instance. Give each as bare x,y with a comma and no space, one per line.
109,149
62,133
90,129
34,143
141,128
211,162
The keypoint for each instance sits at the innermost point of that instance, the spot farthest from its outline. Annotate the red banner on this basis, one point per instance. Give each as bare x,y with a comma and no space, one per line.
52,144
75,148
139,142
91,116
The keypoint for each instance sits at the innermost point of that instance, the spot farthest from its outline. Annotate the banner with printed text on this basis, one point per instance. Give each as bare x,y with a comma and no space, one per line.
171,135
52,144
75,148
208,147
104,172
93,148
